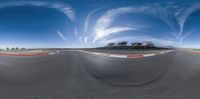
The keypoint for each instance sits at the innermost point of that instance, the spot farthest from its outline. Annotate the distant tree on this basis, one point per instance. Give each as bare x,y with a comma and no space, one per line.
111,44
150,44
16,48
137,45
123,43
12,49
119,44
7,48
23,49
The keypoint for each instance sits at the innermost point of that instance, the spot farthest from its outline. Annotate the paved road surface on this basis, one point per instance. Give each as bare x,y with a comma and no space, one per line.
76,75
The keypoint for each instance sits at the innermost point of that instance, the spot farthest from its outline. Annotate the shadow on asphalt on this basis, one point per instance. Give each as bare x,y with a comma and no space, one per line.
128,72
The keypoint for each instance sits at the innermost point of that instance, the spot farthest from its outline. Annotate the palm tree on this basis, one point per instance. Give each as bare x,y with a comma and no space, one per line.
17,48
110,44
13,49
123,44
7,48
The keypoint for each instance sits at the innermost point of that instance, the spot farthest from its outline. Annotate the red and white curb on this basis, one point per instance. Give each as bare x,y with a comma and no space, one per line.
127,55
29,54
195,52
14,54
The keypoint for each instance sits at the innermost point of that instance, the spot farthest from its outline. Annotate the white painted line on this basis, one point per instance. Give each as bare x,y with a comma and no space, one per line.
97,53
118,56
51,53
127,55
162,52
169,51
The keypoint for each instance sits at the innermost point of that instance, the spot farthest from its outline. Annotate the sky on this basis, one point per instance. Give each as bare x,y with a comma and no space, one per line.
94,23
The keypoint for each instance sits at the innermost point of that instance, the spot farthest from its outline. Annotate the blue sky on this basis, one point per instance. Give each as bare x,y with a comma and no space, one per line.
93,23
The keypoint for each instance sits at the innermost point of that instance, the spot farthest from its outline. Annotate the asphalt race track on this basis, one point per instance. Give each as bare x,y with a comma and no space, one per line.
128,72
76,75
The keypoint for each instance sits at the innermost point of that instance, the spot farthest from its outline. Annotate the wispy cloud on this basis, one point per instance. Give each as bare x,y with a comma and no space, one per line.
75,31
64,8
86,40
61,35
107,32
88,18
181,14
61,7
166,12
102,27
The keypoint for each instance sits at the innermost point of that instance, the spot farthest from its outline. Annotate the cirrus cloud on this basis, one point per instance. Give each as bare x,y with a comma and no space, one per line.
102,27
64,8
170,13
